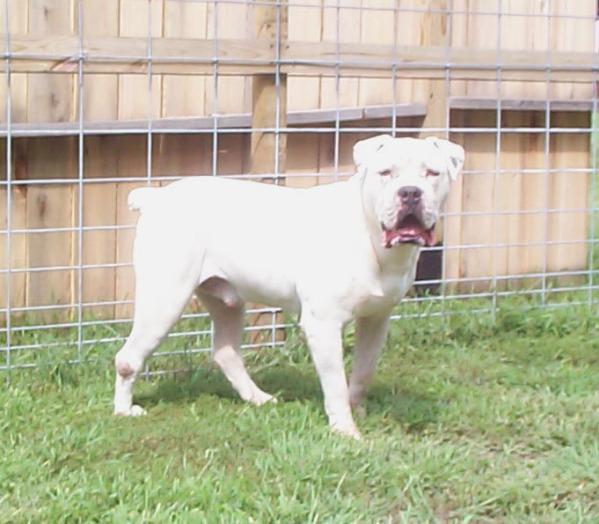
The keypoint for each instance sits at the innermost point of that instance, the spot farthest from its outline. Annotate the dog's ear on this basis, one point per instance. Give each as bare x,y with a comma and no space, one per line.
364,148
454,154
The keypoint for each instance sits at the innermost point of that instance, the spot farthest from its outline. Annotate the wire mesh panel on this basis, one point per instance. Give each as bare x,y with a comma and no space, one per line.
102,96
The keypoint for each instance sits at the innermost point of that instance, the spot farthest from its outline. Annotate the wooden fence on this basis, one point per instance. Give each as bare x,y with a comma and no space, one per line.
523,212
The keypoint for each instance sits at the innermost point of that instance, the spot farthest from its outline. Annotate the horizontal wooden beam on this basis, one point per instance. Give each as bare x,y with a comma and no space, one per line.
207,123
326,117
508,104
62,54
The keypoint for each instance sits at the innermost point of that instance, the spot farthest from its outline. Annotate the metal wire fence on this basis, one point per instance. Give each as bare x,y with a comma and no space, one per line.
515,83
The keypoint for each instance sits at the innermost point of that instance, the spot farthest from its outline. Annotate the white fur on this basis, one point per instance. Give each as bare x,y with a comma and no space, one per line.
313,251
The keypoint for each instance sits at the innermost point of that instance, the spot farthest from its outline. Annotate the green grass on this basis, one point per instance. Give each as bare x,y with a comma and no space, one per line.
468,421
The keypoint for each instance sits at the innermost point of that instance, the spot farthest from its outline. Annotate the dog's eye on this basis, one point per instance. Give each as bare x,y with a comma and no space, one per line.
431,172
385,172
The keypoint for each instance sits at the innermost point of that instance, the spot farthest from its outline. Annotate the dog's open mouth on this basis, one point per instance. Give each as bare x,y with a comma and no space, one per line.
409,230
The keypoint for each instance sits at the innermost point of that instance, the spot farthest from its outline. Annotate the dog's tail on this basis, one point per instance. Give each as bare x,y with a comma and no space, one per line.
141,197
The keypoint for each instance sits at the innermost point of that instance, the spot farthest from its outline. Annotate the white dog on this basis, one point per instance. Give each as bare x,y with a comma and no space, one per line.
330,253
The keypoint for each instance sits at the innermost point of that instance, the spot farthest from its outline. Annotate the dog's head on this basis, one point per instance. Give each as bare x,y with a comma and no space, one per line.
405,182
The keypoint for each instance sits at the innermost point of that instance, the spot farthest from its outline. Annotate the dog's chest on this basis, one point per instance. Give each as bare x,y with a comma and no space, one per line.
383,292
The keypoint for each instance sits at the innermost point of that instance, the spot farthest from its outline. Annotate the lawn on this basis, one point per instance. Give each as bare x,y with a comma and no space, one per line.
469,420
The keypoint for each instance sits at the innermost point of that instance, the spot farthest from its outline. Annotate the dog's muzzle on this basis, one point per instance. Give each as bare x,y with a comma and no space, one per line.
409,227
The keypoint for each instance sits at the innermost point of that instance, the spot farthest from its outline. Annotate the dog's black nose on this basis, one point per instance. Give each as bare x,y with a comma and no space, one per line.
410,195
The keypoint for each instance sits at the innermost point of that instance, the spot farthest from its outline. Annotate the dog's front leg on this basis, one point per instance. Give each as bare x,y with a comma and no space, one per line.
371,333
325,343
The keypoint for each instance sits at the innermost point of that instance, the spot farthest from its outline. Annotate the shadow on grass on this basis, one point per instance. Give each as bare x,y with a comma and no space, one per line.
415,410
287,382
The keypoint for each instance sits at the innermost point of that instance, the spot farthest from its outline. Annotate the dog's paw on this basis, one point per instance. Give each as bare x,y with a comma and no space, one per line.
349,431
137,411
133,411
259,398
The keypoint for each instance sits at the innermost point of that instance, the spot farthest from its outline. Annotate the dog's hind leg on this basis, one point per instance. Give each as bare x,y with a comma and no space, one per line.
162,290
227,311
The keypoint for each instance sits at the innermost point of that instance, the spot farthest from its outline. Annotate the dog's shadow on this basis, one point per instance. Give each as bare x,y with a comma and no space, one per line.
413,409
287,382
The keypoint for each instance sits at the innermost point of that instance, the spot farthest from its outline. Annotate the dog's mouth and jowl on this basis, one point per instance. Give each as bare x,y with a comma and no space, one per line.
409,226
409,229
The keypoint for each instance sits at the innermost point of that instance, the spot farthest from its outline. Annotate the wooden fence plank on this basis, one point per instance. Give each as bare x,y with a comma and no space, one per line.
18,249
326,155
452,230
184,155
51,206
50,97
135,99
376,28
573,33
434,32
184,95
533,198
477,196
99,247
305,23
18,24
132,162
525,32
569,191
100,19
233,20
99,209
350,24
264,101
507,196
412,27
303,157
